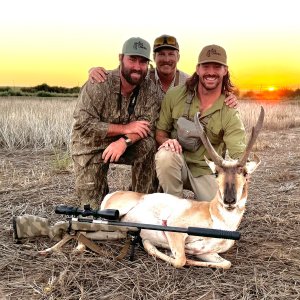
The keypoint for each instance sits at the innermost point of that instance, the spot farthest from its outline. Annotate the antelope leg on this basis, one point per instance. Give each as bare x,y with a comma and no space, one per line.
57,246
211,260
152,250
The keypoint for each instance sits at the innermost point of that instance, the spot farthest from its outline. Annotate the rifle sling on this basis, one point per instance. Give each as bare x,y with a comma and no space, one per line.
91,245
124,250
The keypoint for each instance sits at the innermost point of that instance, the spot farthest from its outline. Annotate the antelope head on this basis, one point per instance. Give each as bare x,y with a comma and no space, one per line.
232,175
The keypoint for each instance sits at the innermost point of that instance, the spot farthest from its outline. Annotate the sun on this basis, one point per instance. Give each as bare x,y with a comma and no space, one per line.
271,88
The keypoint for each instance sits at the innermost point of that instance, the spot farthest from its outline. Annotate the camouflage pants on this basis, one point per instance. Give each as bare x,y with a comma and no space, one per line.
91,180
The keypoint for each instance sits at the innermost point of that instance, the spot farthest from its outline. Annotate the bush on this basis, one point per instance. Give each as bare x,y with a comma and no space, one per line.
42,90
5,88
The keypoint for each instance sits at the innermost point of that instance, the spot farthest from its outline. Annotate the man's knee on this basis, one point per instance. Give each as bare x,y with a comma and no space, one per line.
165,159
90,183
88,192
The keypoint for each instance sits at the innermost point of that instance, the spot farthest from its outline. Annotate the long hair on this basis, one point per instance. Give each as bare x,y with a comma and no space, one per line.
227,85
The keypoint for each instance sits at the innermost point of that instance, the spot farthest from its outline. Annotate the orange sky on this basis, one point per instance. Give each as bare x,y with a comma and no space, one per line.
56,42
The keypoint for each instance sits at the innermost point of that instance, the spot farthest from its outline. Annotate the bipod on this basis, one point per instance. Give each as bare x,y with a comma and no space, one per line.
135,239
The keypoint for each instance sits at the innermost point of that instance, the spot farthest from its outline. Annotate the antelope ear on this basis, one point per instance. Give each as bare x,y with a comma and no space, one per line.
211,164
252,165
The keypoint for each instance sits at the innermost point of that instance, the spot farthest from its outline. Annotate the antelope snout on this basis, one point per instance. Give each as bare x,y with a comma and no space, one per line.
230,194
230,200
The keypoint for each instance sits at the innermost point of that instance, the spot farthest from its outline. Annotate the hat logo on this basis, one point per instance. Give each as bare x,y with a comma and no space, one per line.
211,52
139,45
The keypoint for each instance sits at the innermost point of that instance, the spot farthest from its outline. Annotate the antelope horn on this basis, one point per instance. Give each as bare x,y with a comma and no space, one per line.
216,158
255,131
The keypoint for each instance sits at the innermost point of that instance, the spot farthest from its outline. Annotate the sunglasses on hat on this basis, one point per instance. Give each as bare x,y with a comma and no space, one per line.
165,41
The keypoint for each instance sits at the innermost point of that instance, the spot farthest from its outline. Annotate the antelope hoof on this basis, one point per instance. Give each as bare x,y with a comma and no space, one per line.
45,252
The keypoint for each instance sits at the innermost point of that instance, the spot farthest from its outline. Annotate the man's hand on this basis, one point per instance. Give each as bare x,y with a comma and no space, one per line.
142,128
114,151
97,74
231,101
172,145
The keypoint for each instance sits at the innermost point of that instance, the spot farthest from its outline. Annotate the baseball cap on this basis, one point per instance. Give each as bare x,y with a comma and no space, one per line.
213,53
165,41
136,46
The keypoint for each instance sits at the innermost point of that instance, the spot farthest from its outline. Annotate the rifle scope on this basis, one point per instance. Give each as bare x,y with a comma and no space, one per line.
109,214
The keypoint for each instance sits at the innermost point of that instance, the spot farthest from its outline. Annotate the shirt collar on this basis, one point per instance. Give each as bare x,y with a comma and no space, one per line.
216,106
157,80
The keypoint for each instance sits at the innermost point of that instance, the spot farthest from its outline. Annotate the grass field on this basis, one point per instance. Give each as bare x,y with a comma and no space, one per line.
35,176
43,123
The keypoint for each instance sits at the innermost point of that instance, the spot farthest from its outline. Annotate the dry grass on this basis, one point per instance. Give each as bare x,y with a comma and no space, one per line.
42,123
35,123
278,115
265,261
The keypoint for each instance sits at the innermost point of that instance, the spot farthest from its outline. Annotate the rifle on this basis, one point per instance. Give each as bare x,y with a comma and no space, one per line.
112,217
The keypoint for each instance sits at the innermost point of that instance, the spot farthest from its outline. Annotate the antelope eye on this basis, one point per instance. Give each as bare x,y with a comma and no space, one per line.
245,173
216,174
241,170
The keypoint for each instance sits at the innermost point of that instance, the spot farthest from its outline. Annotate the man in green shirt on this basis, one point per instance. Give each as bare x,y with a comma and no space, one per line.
206,90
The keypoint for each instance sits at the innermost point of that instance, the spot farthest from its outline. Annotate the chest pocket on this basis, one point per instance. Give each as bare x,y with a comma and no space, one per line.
214,128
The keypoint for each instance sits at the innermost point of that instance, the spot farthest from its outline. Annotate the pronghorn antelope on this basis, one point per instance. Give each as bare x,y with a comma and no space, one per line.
224,212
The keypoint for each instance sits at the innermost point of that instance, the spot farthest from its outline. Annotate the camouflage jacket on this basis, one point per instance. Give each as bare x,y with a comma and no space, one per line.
100,104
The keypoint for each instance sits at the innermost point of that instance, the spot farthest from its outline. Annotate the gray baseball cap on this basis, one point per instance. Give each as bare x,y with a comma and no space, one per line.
137,46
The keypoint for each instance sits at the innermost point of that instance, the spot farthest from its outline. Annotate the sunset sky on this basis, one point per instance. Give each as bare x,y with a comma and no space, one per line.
57,41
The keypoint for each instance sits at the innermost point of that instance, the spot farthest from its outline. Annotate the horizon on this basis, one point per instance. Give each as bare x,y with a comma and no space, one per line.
261,89
60,46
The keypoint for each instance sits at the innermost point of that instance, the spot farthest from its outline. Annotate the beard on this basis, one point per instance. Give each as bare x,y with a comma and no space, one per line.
127,74
210,86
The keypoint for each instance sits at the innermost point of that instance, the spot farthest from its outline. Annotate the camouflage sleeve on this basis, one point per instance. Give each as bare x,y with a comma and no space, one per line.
151,106
86,114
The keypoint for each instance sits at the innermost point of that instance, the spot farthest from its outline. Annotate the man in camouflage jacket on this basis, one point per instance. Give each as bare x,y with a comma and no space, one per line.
114,123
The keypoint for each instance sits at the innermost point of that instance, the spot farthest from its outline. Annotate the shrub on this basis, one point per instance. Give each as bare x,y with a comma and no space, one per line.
5,88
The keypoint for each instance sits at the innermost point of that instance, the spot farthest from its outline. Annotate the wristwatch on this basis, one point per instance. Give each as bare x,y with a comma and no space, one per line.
128,141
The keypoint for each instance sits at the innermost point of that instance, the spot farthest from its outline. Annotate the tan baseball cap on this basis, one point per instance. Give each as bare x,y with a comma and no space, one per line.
213,53
137,46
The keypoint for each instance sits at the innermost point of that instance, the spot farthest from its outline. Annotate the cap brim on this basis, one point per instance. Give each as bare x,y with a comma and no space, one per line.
166,47
135,54
212,61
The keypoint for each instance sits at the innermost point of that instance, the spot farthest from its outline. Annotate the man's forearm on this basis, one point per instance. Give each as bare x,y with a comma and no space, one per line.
115,129
161,136
119,129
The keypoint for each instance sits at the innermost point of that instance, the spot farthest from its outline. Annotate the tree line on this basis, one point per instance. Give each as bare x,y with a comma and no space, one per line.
42,90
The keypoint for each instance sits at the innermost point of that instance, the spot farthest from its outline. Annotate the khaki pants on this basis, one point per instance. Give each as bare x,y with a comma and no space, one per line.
91,178
174,176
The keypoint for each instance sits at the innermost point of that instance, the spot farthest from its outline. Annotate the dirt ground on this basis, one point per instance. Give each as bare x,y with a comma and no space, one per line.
265,261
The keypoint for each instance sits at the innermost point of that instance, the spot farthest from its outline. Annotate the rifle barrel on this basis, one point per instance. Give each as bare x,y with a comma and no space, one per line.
196,231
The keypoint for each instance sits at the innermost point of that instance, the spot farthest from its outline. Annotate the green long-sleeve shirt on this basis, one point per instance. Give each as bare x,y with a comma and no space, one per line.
224,127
